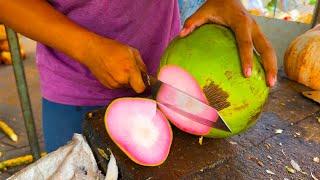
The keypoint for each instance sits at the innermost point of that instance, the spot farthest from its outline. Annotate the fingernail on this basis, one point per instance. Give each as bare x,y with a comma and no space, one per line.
248,72
272,81
183,32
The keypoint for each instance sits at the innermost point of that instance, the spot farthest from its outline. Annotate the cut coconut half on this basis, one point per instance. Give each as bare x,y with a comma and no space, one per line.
139,129
182,80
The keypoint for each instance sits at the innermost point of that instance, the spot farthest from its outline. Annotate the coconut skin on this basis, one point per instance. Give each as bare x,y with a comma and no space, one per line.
210,55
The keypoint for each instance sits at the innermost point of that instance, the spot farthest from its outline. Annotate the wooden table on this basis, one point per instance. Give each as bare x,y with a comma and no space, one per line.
245,156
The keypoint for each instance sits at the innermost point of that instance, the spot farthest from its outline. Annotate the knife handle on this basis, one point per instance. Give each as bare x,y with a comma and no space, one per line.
145,79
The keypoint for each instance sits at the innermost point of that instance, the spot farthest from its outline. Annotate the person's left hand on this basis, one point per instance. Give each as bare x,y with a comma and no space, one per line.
231,13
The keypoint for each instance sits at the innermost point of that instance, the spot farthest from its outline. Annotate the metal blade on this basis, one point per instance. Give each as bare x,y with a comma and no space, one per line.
218,123
185,98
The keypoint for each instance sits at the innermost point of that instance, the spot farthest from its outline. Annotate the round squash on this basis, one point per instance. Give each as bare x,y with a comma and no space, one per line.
301,60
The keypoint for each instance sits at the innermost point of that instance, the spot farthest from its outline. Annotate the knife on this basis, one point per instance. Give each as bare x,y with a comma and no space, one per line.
314,95
154,84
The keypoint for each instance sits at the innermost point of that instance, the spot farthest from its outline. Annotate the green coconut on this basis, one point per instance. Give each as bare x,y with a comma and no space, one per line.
211,56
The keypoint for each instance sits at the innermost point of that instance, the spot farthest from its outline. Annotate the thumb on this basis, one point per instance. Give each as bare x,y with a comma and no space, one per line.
195,20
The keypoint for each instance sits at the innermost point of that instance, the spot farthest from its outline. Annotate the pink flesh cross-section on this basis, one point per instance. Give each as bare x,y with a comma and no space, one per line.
182,80
140,130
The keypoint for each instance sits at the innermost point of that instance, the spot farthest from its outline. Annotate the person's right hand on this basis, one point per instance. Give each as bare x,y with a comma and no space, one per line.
115,64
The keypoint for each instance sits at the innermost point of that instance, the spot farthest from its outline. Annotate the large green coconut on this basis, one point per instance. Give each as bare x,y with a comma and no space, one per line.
211,55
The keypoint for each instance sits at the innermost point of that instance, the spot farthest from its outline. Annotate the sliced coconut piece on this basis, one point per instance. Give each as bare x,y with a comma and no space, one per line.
139,129
182,80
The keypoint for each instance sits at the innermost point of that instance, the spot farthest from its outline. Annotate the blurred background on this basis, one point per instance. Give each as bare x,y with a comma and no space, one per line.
289,10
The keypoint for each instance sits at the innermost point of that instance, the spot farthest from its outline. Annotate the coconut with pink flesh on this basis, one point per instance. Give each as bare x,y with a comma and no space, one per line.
139,129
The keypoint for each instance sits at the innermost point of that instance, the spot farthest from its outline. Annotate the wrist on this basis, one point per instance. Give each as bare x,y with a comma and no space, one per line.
86,49
79,46
94,47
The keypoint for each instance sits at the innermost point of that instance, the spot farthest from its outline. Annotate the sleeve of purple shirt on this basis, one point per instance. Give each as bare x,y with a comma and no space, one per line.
146,25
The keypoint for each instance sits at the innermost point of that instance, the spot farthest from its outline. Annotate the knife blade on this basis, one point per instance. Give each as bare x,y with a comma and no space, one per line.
154,84
314,95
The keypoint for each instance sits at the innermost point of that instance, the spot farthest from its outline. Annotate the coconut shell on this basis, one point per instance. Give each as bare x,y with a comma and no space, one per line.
210,54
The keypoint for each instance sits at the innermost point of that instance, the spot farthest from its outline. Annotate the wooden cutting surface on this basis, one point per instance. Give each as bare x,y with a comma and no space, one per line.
255,154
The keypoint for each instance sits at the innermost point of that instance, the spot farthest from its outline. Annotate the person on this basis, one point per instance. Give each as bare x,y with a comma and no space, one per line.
93,51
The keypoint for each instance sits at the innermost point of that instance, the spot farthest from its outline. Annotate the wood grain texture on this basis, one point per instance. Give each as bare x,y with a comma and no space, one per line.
246,157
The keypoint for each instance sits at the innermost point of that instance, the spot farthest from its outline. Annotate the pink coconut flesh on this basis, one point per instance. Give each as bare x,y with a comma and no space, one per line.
139,129
181,79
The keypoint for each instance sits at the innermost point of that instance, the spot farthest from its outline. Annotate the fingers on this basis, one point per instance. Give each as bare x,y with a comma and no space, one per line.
127,72
122,71
245,46
267,53
135,80
109,82
196,20
105,83
139,61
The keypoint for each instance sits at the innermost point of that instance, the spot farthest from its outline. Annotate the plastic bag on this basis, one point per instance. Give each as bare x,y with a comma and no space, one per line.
72,161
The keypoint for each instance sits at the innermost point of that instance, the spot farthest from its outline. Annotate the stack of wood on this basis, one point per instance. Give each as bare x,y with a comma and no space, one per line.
5,55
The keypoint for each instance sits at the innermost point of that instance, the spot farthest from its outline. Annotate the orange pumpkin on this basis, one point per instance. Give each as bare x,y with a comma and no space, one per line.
302,59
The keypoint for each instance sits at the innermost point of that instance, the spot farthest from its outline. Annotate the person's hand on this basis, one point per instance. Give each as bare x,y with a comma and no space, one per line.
115,65
231,13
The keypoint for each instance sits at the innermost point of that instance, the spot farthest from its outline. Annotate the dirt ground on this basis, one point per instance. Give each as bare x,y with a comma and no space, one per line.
10,110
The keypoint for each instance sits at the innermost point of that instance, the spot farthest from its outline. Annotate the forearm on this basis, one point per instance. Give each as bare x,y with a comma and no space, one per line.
39,21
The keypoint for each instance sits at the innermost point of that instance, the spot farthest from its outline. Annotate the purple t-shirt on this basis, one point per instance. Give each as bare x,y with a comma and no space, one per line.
148,25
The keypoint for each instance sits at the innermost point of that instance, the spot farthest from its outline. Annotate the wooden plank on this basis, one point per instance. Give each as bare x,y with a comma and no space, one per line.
220,159
273,156
186,154
316,15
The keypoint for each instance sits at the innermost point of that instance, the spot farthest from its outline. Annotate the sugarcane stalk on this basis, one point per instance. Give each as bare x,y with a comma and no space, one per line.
8,131
22,160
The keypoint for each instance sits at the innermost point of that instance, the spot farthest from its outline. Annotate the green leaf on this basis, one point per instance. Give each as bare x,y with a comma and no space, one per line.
271,5
312,2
